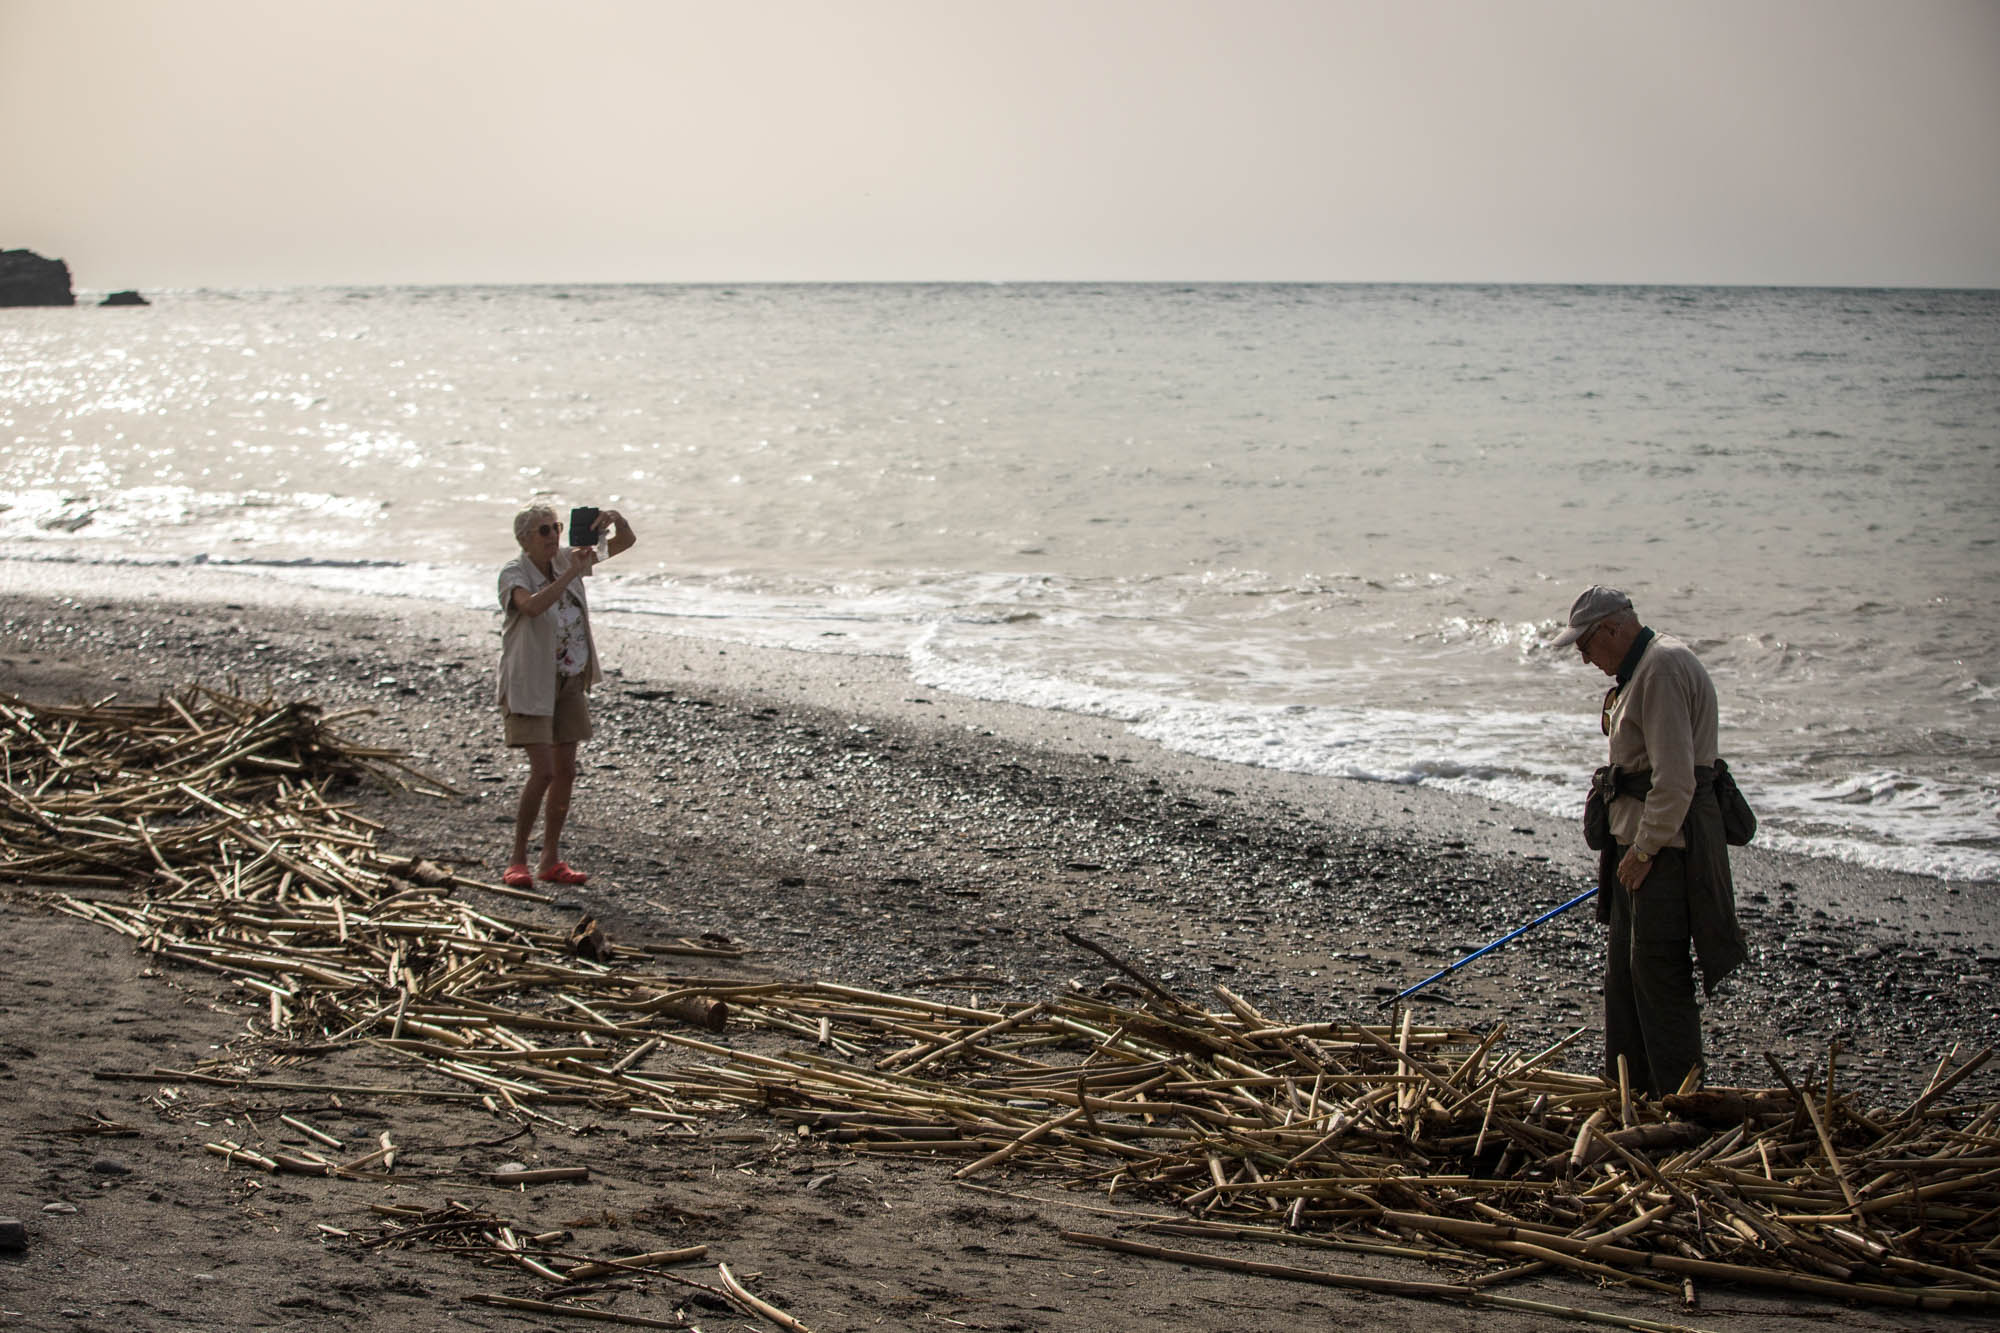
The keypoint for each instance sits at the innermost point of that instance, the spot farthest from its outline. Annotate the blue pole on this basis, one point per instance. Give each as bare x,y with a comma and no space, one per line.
1551,914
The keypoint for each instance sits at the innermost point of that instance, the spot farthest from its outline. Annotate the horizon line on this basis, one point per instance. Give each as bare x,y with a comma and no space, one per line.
1654,285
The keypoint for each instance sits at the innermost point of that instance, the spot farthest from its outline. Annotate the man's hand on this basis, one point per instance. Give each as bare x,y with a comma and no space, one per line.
1632,871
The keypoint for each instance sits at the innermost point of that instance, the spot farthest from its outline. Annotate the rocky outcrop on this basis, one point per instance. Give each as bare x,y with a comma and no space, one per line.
124,298
28,279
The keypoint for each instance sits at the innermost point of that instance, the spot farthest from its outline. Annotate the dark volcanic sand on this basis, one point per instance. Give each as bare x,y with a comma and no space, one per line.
849,826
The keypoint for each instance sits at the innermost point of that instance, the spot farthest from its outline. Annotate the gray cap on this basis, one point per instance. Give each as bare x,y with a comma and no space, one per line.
1596,603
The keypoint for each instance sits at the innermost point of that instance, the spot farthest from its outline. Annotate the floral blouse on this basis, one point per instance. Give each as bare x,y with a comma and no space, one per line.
572,646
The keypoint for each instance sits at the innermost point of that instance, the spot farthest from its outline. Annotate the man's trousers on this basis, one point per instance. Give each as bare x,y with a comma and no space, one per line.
1650,1014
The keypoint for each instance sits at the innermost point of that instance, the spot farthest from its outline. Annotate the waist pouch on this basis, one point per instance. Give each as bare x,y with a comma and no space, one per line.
1597,809
1739,821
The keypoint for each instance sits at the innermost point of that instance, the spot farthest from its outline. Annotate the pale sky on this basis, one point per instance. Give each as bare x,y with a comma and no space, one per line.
219,143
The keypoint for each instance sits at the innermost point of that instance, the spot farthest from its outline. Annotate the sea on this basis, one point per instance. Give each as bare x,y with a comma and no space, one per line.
1321,528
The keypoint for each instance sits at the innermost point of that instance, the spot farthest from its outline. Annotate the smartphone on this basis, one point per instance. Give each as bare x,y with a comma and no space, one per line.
583,525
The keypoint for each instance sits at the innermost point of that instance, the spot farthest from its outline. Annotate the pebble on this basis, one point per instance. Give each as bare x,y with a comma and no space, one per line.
110,1166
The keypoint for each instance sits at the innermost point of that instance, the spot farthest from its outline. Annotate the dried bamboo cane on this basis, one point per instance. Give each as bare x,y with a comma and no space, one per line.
757,1306
1478,1299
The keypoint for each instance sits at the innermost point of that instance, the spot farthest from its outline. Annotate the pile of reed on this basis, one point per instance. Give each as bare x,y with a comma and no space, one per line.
213,818
488,1237
1422,1141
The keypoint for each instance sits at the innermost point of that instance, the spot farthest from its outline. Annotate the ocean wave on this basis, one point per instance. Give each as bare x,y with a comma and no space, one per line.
1881,819
184,521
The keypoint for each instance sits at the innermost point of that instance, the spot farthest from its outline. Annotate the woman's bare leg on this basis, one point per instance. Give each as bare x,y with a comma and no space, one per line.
541,772
562,781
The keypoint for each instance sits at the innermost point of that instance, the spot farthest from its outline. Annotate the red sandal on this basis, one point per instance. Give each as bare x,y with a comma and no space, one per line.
518,876
561,873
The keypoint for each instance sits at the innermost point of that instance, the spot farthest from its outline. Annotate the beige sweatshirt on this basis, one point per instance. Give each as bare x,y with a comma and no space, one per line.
1662,722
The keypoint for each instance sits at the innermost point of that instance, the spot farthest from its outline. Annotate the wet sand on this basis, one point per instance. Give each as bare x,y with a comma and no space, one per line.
845,824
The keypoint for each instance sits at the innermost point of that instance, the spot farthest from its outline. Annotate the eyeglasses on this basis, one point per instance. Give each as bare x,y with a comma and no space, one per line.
548,529
1583,639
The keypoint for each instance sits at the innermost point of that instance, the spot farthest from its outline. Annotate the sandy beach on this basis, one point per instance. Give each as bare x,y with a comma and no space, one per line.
844,824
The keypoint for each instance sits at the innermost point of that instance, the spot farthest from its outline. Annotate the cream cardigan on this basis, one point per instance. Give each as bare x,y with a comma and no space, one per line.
528,643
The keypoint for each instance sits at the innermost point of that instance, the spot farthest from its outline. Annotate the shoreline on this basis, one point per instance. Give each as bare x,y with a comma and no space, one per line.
885,671
832,791
883,687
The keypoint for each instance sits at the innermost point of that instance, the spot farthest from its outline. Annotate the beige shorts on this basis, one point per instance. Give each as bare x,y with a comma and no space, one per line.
569,724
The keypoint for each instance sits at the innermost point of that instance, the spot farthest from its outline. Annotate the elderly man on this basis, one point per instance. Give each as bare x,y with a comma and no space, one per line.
1663,871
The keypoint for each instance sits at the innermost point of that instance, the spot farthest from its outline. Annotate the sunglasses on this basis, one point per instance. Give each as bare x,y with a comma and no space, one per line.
548,529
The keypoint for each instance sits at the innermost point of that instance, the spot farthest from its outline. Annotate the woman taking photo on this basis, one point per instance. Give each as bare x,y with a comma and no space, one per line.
548,662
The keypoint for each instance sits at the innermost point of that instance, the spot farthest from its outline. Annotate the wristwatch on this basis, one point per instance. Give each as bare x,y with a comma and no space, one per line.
1643,857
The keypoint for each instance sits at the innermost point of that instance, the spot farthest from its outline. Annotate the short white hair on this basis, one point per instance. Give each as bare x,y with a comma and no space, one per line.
524,522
